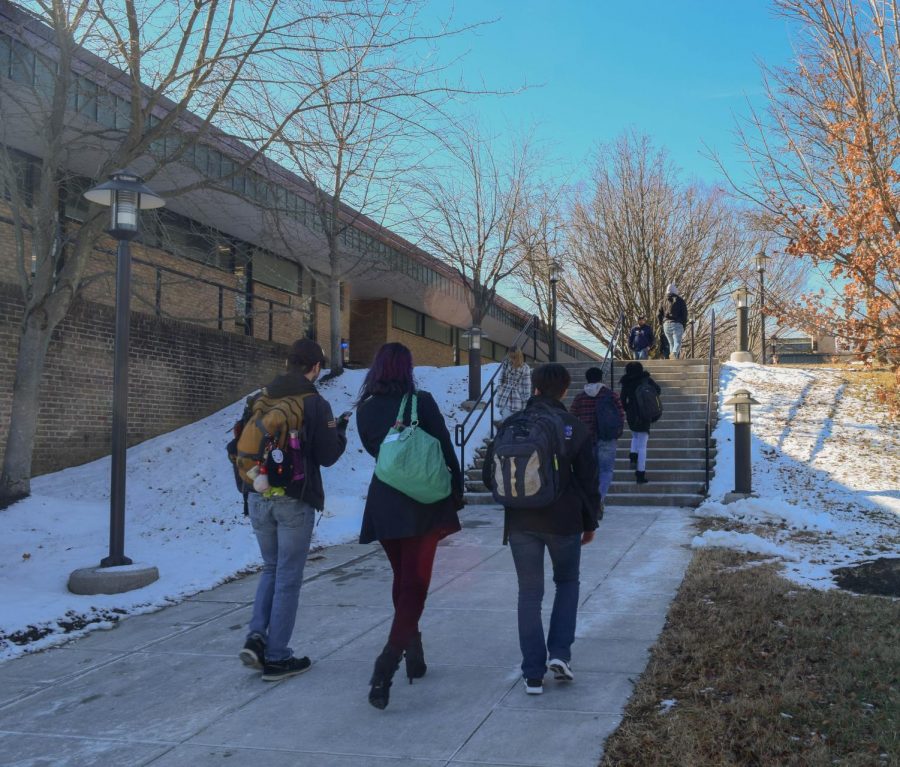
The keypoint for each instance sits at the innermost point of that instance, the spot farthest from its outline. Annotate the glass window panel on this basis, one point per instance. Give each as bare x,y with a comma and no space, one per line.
123,114
437,331
214,163
275,272
226,167
22,64
5,54
404,318
106,108
44,75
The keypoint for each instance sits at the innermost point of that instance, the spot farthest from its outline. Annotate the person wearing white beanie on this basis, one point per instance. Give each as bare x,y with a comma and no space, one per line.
673,316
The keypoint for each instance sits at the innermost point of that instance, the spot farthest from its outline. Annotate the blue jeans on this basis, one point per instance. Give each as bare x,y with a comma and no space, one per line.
283,528
641,354
606,460
674,331
528,555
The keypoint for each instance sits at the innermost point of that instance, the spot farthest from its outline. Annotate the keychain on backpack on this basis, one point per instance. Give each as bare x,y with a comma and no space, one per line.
261,481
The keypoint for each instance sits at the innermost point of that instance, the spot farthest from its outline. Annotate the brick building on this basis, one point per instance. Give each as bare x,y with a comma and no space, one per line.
215,295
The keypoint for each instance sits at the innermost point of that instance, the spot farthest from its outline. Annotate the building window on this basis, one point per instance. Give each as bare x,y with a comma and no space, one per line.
404,318
275,272
437,331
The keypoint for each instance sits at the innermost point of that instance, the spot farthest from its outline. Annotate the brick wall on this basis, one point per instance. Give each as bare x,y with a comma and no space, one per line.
178,372
424,350
368,328
371,326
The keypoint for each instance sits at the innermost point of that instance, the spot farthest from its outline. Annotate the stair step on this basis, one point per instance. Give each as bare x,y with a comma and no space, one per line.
650,499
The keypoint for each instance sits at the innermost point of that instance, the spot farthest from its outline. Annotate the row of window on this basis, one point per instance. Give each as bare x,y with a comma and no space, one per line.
24,65
404,318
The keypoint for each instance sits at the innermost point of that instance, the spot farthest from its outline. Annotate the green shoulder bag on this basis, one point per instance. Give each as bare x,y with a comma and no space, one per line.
411,460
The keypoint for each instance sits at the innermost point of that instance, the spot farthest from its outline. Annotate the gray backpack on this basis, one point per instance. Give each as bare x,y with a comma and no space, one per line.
526,457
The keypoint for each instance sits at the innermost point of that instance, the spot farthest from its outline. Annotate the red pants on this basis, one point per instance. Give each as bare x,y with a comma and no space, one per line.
412,560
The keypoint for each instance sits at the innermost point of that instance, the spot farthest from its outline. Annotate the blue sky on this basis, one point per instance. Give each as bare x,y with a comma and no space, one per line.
678,70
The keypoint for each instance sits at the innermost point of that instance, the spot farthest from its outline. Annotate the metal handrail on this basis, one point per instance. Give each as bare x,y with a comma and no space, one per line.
461,436
709,389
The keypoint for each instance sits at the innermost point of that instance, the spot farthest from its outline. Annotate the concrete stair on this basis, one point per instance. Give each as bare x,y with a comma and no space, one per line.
676,455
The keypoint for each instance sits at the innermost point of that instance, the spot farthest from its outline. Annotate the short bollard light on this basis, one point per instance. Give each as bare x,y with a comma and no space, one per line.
742,401
742,303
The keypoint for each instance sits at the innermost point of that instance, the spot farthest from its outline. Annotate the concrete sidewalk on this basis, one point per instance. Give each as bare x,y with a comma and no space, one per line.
168,689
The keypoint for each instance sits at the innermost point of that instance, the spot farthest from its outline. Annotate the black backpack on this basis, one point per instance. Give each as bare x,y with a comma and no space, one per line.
647,401
609,421
526,457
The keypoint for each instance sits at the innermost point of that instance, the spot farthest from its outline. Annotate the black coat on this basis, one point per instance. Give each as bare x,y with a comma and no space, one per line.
579,508
389,513
674,309
629,384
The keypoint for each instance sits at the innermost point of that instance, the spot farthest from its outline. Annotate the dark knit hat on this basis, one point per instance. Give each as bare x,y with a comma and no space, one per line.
305,353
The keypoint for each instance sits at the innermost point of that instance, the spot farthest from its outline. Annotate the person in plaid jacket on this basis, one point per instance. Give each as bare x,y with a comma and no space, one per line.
584,408
515,384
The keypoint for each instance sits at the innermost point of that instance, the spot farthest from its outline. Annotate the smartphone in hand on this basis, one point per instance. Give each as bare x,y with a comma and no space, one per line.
344,418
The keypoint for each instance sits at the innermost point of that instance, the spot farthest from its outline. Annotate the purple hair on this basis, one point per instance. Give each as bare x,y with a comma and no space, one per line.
391,372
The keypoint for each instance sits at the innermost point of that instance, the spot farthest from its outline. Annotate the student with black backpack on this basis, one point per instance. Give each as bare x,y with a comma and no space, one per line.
640,398
598,407
541,467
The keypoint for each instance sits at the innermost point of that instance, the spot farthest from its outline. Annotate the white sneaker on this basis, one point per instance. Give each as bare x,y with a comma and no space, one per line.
562,671
534,686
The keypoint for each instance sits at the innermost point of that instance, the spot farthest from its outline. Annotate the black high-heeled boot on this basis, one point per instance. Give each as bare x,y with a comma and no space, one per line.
415,659
632,459
386,665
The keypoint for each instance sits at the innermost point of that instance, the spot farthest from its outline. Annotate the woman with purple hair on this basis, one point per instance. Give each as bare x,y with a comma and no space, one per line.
408,531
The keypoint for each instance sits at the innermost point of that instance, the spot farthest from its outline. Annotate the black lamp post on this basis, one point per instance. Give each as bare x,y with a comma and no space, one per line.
474,336
126,196
742,301
761,259
742,401
554,278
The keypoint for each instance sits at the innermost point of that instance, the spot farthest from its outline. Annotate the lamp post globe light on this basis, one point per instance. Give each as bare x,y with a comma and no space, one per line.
125,195
761,260
742,301
555,271
742,401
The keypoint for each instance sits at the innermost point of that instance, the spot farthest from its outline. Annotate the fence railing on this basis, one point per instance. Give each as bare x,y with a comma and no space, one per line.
709,392
485,403
255,307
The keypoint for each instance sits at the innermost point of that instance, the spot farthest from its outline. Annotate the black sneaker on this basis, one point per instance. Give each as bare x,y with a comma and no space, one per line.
534,686
282,669
254,652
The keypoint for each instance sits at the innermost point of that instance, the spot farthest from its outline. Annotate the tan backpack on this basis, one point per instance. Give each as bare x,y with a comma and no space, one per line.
271,420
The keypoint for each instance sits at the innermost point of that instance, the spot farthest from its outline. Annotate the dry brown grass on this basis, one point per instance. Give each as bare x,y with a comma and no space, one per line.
765,674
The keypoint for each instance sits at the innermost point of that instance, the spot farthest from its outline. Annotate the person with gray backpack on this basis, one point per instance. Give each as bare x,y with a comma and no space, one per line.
542,469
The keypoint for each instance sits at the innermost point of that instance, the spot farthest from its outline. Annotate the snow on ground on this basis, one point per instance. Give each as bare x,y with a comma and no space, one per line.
826,470
183,515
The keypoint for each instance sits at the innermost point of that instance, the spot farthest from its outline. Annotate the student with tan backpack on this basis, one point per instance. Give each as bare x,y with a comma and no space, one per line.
288,435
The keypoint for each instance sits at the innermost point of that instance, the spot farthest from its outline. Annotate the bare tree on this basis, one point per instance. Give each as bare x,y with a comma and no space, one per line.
182,80
378,92
635,227
540,236
466,214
